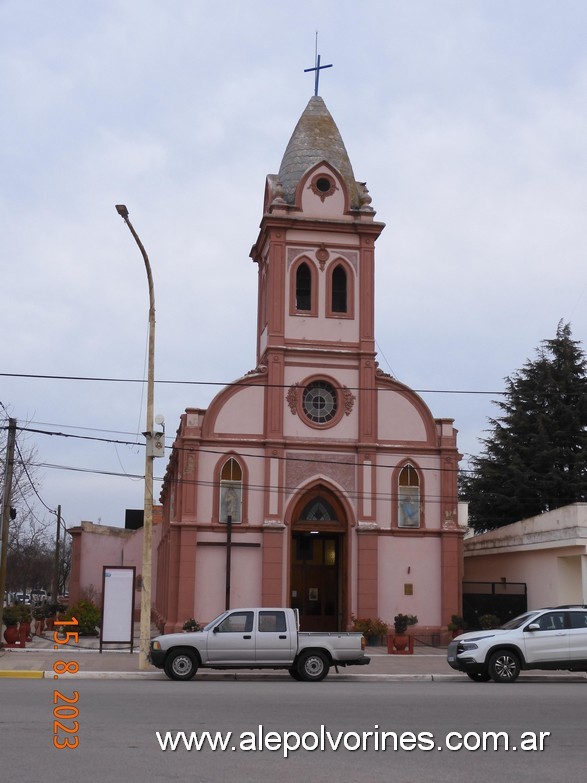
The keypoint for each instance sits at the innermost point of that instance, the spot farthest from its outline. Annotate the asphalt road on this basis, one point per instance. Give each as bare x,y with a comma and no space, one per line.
118,721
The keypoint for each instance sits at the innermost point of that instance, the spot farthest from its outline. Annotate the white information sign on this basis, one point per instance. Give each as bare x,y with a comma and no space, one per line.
118,591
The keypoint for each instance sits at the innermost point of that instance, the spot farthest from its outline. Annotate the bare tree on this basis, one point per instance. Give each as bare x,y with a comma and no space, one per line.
30,538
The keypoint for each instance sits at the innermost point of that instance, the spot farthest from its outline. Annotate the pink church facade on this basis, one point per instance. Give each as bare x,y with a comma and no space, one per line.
340,485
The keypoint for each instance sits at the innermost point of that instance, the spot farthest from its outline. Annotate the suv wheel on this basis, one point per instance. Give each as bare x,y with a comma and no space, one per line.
504,666
479,676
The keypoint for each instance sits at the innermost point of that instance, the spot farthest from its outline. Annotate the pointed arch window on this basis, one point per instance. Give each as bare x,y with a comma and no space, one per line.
318,510
303,287
408,494
339,290
231,491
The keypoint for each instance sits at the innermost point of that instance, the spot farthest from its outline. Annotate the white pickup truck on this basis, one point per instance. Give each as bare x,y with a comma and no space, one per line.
260,638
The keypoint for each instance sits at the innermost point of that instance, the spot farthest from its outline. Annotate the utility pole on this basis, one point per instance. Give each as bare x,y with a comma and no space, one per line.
55,585
8,471
145,618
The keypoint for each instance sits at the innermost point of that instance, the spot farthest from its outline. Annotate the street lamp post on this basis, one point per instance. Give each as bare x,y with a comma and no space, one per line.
145,622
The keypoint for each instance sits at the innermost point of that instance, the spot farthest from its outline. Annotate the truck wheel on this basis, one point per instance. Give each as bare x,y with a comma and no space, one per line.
293,672
504,666
313,666
181,665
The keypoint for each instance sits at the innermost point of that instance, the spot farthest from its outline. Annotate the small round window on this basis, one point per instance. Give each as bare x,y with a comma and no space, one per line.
320,402
323,186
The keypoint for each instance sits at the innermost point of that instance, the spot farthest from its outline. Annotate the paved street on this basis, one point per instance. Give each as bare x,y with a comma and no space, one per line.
118,721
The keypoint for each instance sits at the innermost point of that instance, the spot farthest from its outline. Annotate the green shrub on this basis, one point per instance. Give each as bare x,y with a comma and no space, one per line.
25,615
10,615
489,621
401,622
369,627
87,615
192,625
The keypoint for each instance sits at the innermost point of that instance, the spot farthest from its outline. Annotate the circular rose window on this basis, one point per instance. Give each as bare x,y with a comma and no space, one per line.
320,402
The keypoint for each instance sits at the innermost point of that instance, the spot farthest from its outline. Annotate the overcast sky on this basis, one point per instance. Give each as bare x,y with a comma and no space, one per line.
467,119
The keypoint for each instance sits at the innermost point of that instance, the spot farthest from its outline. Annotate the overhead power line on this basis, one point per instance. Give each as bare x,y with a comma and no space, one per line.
221,452
242,382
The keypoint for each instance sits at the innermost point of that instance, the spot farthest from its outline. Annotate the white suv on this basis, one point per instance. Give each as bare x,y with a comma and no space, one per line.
554,638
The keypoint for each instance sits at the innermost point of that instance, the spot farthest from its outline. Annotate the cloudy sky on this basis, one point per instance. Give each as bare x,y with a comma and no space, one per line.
466,118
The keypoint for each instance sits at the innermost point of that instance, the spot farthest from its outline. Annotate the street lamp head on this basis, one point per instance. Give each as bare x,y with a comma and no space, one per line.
122,211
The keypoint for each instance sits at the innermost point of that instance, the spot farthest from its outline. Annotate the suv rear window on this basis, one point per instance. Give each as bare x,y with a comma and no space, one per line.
578,619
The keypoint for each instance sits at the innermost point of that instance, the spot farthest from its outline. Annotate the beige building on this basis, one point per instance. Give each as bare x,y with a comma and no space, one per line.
548,553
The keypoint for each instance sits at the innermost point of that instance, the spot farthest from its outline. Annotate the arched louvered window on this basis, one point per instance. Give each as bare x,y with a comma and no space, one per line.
231,491
339,290
303,287
408,493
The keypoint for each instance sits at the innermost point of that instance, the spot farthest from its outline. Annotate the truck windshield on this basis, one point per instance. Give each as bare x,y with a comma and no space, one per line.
213,622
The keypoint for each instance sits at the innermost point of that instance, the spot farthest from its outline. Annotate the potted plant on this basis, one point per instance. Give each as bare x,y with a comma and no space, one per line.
39,613
456,625
10,618
24,628
400,639
51,612
372,630
488,621
191,625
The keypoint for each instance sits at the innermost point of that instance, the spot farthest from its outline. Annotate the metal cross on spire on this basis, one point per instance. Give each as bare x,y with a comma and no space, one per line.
317,67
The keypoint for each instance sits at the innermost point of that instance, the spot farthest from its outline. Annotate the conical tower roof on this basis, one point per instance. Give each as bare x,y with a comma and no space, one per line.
315,139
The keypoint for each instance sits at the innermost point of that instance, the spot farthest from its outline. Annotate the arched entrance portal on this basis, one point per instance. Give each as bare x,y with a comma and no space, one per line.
318,555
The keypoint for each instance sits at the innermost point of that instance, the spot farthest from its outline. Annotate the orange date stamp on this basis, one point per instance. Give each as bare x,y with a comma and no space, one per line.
66,710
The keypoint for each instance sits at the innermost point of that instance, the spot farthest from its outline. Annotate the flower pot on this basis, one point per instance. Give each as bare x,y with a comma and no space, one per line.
400,641
23,632
11,634
400,644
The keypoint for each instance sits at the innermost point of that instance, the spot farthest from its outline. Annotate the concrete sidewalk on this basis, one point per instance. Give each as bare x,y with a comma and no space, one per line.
40,656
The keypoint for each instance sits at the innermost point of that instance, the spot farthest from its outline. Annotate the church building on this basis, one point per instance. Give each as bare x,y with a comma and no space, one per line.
316,481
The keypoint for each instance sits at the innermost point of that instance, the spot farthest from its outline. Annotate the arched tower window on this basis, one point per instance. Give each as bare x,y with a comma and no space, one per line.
303,287
231,491
408,494
339,290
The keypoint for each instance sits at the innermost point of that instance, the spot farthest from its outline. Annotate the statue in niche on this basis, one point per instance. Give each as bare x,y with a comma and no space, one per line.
230,503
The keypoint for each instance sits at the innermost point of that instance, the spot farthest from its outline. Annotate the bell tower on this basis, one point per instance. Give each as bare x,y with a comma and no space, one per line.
315,253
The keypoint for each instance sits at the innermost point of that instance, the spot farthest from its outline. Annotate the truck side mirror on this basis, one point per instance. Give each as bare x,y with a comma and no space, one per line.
533,627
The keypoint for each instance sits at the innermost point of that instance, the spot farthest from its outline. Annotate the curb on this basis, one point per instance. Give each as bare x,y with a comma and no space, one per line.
258,677
255,677
230,676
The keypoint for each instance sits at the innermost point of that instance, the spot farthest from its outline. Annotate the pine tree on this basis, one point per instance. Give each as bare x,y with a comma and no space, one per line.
535,457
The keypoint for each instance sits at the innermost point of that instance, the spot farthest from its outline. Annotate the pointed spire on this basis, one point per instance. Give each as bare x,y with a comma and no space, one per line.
315,139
